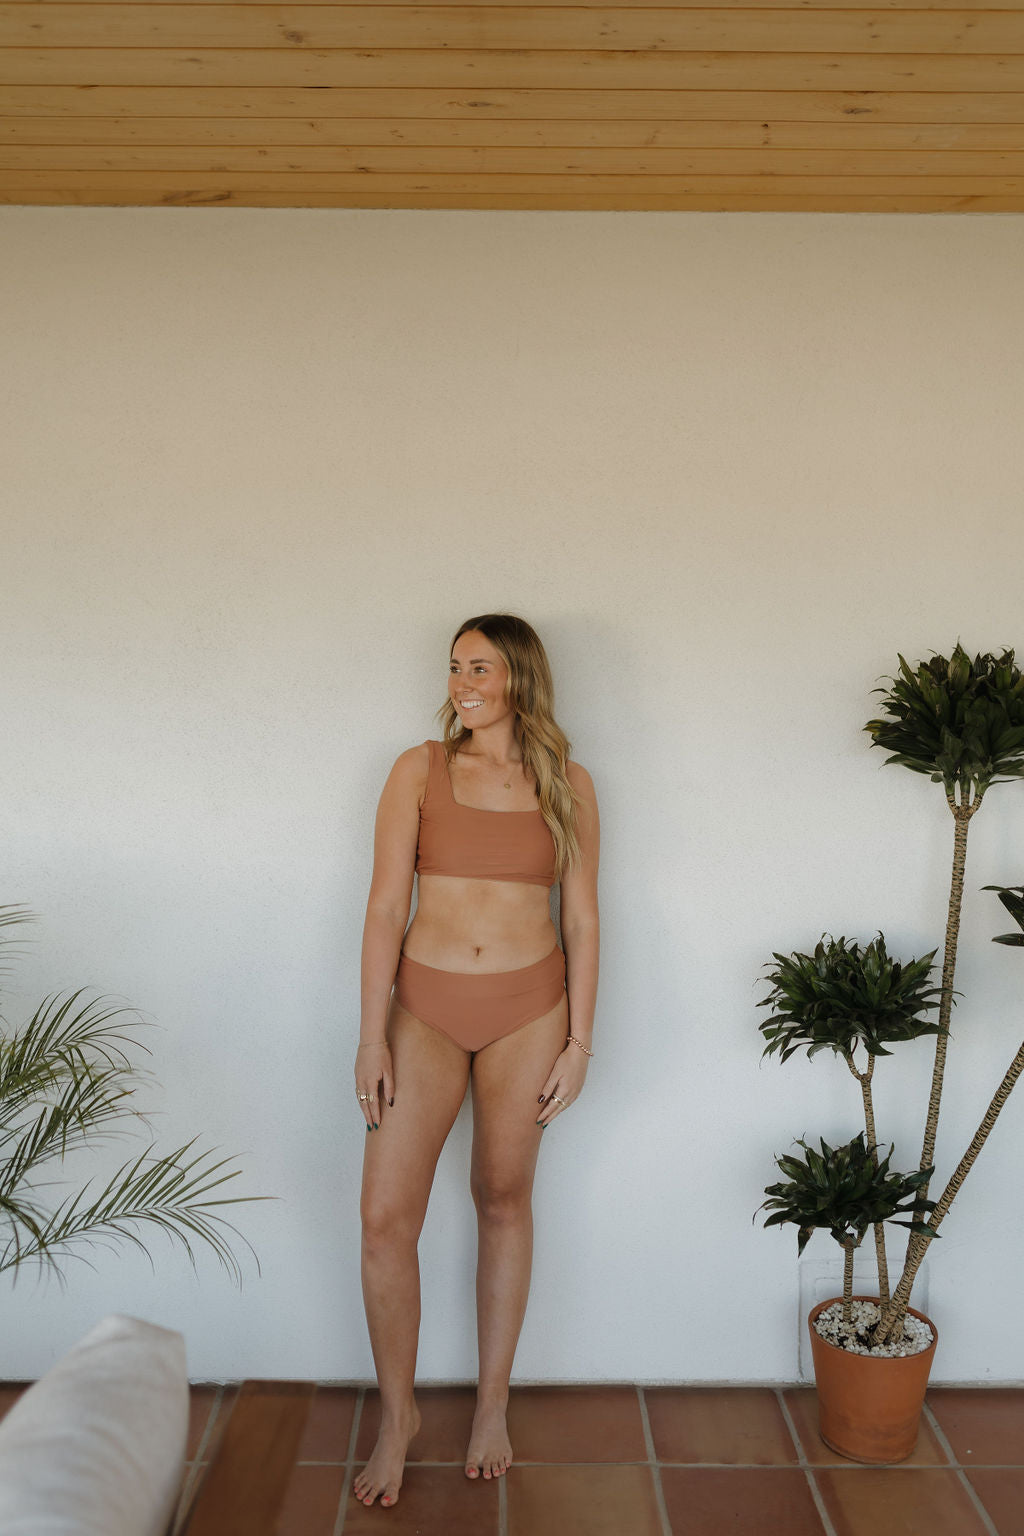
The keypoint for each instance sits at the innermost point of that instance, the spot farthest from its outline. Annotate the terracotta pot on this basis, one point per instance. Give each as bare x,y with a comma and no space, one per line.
869,1408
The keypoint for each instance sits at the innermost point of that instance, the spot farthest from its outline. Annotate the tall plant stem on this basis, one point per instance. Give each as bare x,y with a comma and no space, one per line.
864,1079
848,1251
962,814
962,811
901,1297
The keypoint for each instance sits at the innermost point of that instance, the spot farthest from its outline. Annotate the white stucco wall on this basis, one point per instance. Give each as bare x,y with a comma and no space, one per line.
257,467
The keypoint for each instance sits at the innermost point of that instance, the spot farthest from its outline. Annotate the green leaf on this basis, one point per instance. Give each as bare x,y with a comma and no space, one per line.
961,721
66,1082
847,995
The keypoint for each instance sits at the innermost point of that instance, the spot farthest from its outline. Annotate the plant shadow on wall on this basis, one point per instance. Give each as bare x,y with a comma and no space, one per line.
961,722
65,1082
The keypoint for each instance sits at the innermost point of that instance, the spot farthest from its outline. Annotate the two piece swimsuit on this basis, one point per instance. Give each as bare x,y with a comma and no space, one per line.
475,1008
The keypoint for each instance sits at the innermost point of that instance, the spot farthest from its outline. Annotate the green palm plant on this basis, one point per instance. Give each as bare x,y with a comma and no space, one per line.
65,1079
856,1002
961,722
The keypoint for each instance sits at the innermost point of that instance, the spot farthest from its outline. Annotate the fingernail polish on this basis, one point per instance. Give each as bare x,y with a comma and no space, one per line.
392,1103
541,1099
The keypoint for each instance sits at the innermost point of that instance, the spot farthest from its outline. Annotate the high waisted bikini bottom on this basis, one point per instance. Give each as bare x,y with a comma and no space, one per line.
475,1008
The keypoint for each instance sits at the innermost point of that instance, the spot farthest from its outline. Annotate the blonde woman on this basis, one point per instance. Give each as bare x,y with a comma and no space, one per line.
489,819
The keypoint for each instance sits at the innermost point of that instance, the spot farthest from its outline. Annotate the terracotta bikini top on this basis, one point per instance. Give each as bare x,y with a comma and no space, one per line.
479,845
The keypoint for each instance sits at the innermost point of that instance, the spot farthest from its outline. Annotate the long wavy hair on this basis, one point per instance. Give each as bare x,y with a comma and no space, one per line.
530,694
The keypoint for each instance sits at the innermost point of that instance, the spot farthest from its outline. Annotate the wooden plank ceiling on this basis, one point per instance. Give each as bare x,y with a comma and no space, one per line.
729,105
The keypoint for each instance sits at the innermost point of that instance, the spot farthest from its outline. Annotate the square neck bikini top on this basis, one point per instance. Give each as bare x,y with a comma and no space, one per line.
477,844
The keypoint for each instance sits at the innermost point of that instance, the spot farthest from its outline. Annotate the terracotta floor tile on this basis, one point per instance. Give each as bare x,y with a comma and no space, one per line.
1001,1490
597,1500
983,1425
447,1414
802,1403
329,1426
741,1425
311,1504
575,1424
898,1501
9,1394
434,1501
775,1502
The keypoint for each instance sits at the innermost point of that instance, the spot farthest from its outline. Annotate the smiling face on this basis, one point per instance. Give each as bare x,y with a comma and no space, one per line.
477,677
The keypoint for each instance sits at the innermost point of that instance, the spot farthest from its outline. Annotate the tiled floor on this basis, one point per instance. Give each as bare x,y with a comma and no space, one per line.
652,1461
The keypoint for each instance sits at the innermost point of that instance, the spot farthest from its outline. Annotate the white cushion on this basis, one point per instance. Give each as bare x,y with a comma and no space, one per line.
96,1447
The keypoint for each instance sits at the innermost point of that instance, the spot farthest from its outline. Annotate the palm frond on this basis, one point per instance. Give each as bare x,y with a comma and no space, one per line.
83,1115
66,1080
144,1189
12,915
56,1031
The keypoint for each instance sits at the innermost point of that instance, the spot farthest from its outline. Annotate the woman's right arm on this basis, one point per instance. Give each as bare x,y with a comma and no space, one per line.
396,834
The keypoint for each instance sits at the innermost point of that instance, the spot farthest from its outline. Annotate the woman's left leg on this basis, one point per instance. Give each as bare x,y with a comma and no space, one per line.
507,1077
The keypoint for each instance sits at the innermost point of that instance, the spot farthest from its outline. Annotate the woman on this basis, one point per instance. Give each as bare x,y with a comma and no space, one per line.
489,819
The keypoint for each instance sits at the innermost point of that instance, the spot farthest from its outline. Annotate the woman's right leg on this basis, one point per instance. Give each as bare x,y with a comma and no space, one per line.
431,1075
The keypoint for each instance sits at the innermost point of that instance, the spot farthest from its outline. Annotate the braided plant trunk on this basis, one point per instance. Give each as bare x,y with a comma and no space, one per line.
864,1078
892,1320
962,814
849,1249
963,810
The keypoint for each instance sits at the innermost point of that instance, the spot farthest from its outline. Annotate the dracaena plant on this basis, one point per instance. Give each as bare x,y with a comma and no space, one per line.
855,1001
960,721
1012,898
846,1190
65,1080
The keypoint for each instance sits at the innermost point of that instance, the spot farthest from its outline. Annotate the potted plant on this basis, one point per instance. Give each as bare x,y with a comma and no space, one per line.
64,1083
856,1002
961,721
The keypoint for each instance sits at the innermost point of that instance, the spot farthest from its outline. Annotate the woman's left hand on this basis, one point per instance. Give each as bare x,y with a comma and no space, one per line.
564,1084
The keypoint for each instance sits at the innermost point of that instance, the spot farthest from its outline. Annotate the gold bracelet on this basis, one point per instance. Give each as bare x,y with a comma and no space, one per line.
579,1043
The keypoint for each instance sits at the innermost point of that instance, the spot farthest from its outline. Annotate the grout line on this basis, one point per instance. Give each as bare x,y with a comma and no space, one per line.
197,1470
211,1419
184,1500
819,1502
503,1504
965,1482
350,1456
940,1434
659,1492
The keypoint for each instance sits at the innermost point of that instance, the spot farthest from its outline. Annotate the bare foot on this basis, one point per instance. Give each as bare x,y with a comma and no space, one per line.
383,1472
490,1449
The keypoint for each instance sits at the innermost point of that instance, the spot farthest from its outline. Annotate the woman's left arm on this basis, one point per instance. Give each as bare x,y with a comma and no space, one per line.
581,941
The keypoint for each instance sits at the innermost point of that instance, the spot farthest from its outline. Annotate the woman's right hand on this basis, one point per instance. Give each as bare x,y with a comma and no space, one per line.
373,1068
